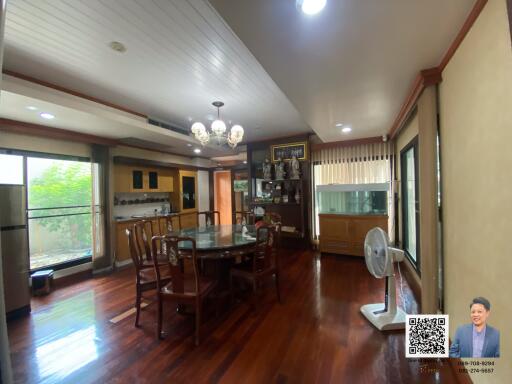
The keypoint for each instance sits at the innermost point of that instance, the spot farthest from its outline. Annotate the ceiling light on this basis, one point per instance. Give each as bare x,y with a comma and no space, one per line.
197,150
46,115
218,131
117,46
311,7
31,108
339,125
189,145
346,130
245,161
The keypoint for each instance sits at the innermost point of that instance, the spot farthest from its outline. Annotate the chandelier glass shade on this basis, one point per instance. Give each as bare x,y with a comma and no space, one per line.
218,131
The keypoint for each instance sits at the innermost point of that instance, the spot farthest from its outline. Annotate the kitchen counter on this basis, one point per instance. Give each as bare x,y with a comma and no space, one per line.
124,219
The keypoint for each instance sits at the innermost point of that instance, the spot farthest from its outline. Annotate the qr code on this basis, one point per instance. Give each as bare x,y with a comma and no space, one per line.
426,336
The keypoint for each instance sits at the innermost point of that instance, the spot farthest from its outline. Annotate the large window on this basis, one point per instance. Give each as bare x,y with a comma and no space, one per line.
410,202
59,211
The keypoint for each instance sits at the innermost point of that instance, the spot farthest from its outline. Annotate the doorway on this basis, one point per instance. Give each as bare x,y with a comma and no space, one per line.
222,193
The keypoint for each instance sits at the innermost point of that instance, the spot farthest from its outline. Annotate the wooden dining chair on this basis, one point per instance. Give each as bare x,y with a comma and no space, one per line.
145,278
272,218
183,288
263,263
248,216
168,223
209,217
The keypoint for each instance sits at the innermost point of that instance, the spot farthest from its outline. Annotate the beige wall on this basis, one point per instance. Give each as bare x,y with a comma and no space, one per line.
41,144
476,136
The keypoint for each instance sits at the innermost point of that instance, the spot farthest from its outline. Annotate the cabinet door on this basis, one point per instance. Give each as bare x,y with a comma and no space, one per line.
165,181
137,180
188,191
122,179
153,181
122,249
189,220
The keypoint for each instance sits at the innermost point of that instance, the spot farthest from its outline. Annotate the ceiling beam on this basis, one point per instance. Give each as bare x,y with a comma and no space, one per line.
71,92
23,128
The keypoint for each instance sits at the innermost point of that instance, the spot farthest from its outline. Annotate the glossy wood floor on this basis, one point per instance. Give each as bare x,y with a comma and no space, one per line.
316,336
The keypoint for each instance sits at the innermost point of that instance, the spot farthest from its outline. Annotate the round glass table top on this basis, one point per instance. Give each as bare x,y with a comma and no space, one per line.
218,237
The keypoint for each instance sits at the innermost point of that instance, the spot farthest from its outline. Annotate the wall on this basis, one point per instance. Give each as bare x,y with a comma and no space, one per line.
203,186
41,144
476,134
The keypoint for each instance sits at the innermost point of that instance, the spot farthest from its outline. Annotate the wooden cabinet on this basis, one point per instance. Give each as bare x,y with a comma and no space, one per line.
122,249
188,191
165,181
345,234
189,220
142,179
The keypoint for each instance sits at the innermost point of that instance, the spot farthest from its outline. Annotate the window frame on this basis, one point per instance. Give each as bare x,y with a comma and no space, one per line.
412,145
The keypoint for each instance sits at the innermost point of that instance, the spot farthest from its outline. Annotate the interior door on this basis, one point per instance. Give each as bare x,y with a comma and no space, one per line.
222,196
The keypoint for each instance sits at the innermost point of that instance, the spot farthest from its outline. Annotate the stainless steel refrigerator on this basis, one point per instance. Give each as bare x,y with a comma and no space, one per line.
14,241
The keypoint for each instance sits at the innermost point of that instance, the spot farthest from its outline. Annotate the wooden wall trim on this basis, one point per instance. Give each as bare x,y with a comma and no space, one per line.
425,78
509,9
432,76
71,92
347,143
470,20
23,128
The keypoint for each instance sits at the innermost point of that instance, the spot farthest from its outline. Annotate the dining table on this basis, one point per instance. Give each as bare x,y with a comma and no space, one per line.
217,249
219,241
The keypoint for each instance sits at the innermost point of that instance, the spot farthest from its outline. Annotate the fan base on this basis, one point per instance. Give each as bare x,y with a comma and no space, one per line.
384,321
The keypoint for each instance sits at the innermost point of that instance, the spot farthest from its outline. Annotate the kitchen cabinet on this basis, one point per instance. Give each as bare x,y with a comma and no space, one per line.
188,191
142,179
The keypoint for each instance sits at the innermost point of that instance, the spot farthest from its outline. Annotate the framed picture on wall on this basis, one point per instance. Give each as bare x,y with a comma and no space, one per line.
287,151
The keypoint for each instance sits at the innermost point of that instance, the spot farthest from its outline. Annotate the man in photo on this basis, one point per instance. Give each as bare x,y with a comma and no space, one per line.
477,339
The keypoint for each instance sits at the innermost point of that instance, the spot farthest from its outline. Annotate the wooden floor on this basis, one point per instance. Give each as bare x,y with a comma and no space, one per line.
317,335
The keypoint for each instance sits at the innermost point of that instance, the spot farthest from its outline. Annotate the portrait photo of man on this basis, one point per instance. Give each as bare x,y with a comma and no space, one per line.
478,339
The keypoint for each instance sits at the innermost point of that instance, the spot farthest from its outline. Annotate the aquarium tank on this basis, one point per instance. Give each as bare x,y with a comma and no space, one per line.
353,199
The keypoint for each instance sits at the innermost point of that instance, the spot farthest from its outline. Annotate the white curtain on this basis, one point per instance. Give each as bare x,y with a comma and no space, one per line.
359,164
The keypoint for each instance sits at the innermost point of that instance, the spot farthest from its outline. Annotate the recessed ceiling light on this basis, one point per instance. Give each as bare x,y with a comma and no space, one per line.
339,125
346,130
245,161
311,7
197,150
31,108
189,145
117,46
46,115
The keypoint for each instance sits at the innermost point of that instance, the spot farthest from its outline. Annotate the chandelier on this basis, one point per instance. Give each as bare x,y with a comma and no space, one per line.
218,131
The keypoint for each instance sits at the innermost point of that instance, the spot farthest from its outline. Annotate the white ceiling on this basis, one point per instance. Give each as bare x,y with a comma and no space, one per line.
180,57
352,63
77,114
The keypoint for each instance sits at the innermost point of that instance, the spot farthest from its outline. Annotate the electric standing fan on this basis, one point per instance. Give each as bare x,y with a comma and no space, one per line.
379,258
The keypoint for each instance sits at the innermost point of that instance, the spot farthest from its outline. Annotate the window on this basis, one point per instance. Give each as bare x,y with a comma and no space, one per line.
410,202
12,169
59,211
